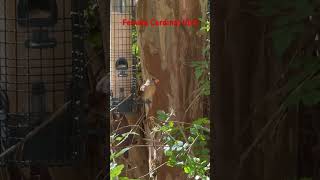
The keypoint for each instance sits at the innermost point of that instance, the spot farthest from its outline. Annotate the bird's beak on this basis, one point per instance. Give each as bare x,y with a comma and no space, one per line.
157,81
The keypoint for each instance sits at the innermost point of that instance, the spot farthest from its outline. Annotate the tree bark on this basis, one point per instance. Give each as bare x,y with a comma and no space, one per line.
166,53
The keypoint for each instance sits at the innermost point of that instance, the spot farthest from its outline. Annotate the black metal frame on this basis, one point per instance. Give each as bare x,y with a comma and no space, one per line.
34,78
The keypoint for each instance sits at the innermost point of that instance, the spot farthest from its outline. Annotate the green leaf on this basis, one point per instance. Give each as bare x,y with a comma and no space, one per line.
168,152
115,155
198,72
190,138
124,178
164,128
205,151
194,131
162,115
171,124
115,172
119,138
187,169
205,50
201,121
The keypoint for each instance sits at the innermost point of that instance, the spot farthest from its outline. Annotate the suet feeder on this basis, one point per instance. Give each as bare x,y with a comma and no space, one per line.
122,64
41,69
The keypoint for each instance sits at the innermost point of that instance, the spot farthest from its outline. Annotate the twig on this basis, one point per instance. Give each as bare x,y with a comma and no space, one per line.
128,126
189,149
137,145
99,174
153,170
120,103
193,102
259,137
36,129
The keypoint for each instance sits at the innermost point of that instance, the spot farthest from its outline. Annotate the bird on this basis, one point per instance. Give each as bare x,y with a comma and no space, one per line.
149,89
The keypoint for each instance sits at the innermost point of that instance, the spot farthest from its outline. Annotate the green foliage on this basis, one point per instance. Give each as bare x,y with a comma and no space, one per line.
135,47
292,20
202,68
115,168
288,20
186,147
202,75
288,26
118,154
93,23
136,51
205,25
116,171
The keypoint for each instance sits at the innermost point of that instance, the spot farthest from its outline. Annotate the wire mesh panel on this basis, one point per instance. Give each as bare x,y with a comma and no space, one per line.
35,78
121,59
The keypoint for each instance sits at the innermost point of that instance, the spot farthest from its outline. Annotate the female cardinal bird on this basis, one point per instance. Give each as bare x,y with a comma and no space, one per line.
149,89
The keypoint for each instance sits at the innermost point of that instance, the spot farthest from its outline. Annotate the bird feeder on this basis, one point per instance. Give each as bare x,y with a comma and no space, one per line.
35,13
122,64
41,67
122,67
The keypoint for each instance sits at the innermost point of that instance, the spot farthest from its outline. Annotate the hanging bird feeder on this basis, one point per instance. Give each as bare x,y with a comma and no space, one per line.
122,63
42,62
41,14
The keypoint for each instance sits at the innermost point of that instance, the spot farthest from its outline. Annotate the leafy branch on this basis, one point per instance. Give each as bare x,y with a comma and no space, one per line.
186,146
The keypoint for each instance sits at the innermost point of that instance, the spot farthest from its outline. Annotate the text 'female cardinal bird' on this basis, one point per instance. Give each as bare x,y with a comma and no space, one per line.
149,89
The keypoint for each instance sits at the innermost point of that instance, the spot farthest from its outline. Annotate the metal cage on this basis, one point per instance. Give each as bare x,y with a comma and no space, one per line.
122,62
41,69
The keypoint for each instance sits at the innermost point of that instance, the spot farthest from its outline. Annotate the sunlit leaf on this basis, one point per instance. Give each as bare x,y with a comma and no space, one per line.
116,155
115,172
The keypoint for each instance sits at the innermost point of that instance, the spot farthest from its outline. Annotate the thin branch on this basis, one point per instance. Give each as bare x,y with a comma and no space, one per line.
99,174
36,129
137,145
153,170
272,119
128,126
189,149
120,103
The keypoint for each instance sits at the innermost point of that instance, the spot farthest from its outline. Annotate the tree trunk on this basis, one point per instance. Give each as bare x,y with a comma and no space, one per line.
166,53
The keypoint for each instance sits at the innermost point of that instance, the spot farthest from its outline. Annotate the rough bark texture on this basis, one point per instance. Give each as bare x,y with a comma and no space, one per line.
244,72
165,55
